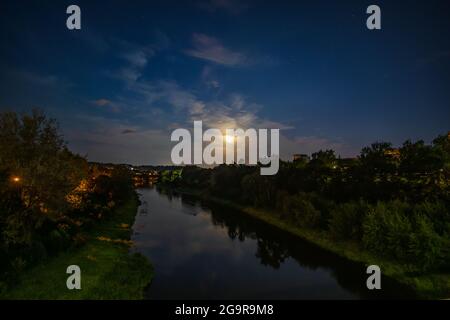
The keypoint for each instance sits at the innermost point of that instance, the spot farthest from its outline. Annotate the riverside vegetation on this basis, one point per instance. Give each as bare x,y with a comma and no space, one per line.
57,210
388,207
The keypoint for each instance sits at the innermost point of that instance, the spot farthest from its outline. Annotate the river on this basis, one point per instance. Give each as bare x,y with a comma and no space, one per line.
206,251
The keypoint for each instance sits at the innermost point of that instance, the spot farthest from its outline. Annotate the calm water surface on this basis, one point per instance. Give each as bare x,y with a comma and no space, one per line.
205,251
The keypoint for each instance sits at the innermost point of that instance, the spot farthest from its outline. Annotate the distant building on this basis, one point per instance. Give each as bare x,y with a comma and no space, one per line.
301,157
394,153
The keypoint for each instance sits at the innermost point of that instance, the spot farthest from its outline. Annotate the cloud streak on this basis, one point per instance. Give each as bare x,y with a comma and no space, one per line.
211,49
106,103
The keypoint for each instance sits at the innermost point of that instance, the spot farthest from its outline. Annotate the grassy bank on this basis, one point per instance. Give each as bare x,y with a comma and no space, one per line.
428,286
108,271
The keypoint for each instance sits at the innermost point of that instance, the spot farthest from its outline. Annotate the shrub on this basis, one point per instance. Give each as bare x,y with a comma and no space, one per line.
405,233
254,188
386,229
426,247
437,213
281,203
299,210
346,222
326,208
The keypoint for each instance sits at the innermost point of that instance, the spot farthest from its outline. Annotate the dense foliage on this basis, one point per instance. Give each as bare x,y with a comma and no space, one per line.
392,202
48,195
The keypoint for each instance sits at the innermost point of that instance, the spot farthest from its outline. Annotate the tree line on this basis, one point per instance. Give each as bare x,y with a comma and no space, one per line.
393,202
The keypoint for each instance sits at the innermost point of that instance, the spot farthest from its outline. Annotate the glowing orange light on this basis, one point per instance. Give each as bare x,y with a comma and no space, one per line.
16,179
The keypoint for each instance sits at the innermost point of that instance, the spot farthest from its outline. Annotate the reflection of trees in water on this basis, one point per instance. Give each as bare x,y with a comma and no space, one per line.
274,247
167,192
271,253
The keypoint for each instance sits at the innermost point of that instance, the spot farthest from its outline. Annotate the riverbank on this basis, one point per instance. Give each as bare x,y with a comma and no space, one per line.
427,286
108,271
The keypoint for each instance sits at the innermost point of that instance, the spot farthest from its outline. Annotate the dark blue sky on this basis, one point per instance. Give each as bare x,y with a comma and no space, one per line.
138,69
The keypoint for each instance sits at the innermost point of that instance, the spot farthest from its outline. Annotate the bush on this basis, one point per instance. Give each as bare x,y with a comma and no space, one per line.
437,213
299,210
283,204
426,246
346,222
386,229
326,208
402,232
257,190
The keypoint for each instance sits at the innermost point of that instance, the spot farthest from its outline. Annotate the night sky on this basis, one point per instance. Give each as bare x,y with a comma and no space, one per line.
139,69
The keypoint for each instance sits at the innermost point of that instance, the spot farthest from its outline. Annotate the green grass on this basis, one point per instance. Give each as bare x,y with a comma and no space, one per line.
427,286
108,271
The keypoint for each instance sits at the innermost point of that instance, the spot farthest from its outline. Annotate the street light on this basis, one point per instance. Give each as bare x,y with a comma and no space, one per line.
16,179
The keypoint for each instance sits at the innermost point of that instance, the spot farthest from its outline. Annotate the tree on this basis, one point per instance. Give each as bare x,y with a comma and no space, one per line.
441,145
122,184
41,171
379,158
325,158
418,158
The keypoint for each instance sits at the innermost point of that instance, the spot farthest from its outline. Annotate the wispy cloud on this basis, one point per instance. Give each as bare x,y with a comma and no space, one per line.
165,104
230,111
128,131
211,49
138,58
101,102
208,79
107,103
